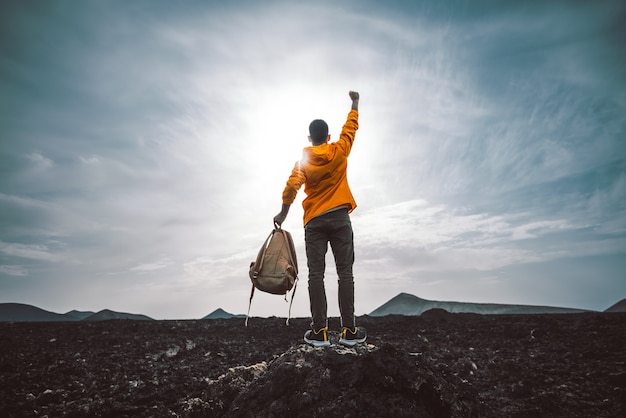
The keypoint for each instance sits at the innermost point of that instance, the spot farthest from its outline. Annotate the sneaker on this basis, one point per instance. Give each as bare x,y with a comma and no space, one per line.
351,337
317,339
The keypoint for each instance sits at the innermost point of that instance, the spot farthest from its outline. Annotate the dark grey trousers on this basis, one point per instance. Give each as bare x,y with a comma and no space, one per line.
334,228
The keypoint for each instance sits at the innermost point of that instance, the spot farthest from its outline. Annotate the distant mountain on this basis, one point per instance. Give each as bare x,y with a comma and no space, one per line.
78,315
407,304
222,314
618,307
106,314
20,312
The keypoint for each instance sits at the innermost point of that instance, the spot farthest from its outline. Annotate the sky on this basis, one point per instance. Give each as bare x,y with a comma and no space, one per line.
144,147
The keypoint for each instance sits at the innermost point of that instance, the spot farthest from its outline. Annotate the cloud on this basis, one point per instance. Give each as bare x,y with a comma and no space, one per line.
39,162
29,251
218,271
607,200
150,267
17,271
536,229
414,236
91,160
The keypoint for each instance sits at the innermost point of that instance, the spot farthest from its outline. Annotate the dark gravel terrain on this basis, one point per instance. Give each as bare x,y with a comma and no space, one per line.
435,365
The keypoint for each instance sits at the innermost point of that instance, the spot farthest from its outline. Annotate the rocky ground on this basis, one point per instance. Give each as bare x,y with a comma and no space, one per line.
435,365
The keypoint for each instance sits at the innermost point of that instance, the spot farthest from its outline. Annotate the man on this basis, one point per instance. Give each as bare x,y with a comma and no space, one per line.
329,201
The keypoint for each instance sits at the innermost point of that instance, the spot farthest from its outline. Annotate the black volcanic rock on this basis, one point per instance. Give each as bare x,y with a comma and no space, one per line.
435,313
106,314
20,312
375,381
618,307
407,304
460,365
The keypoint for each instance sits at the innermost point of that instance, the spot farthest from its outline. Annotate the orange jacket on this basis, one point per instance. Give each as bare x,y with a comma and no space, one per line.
322,170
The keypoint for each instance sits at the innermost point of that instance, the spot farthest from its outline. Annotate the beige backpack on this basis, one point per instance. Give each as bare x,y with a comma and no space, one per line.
276,267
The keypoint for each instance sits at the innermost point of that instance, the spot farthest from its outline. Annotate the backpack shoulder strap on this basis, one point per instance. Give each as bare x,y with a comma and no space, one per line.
261,256
293,293
293,260
250,304
291,249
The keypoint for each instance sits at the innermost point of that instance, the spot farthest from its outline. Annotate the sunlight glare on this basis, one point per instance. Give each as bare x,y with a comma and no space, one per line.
278,127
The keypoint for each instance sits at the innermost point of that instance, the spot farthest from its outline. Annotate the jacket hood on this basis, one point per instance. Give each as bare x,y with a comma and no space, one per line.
319,154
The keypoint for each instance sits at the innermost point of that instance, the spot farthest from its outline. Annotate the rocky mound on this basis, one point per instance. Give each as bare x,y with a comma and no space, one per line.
339,381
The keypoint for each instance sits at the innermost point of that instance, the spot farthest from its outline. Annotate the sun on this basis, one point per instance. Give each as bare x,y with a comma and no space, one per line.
279,121
276,125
